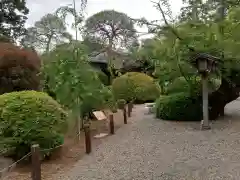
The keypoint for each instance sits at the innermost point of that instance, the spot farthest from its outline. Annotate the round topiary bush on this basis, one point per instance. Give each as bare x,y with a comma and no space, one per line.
179,107
135,86
29,117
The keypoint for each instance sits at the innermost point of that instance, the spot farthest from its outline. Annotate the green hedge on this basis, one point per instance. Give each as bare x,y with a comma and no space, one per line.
135,86
29,117
180,107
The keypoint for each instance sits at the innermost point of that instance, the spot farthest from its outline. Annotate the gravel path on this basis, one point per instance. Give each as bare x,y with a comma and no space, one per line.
150,149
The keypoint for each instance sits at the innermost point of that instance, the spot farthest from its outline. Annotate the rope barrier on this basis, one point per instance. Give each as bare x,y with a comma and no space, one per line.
44,150
88,150
10,168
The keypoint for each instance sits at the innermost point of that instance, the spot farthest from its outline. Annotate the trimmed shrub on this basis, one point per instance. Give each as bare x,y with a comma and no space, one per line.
123,88
179,107
19,69
29,117
135,86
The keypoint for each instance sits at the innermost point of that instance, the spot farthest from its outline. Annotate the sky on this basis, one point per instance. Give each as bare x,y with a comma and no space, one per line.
133,8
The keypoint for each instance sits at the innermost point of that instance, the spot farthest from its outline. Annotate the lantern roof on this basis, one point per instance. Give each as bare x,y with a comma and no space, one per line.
204,56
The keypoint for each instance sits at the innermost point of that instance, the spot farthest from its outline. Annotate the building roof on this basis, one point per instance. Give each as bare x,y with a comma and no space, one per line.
121,59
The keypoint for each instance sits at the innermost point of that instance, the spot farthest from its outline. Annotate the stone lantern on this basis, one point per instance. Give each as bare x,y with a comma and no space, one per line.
205,65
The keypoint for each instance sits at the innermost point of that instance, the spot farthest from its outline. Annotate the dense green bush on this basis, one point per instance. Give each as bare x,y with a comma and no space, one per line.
192,85
29,117
135,86
123,88
180,107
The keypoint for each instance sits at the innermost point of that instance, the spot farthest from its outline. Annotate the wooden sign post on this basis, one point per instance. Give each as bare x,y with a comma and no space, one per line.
102,120
99,115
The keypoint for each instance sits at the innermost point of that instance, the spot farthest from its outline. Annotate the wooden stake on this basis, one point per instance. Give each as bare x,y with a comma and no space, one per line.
125,115
36,164
88,143
111,124
129,109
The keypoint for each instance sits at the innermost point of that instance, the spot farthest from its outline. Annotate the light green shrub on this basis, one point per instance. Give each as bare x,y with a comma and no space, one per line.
29,117
135,86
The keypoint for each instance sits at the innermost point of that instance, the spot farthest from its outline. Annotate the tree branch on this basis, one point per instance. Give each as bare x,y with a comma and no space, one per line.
159,7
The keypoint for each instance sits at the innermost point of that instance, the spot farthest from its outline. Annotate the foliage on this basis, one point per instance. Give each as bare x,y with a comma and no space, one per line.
93,45
29,117
112,28
64,11
192,85
73,80
19,69
47,32
13,18
180,106
171,49
181,85
123,88
103,77
121,103
5,39
135,86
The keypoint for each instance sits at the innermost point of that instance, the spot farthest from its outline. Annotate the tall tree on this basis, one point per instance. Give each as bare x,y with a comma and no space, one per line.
113,28
46,33
12,18
64,11
194,10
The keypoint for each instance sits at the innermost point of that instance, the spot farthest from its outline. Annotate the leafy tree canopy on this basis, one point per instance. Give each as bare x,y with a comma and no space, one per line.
112,28
50,30
12,18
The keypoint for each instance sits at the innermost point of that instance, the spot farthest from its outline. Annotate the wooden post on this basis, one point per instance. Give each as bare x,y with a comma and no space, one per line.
36,164
111,124
130,106
125,115
88,143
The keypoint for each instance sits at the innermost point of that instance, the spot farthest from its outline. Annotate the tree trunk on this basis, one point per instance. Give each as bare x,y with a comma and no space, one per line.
47,50
226,93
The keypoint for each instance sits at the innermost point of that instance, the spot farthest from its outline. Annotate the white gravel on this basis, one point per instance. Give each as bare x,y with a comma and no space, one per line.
150,149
